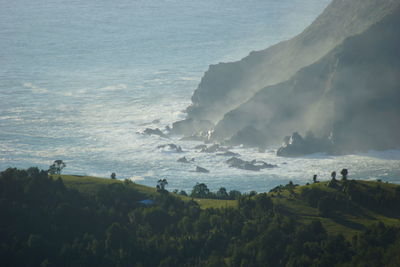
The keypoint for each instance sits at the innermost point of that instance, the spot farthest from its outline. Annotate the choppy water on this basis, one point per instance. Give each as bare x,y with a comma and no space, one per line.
78,79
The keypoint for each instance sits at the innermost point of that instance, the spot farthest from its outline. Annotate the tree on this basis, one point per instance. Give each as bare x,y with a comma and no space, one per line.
222,194
290,187
57,167
115,236
200,191
234,194
315,179
397,192
161,184
183,193
344,174
333,182
113,175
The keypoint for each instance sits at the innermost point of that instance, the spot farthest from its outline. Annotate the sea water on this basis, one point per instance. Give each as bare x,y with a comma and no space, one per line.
79,79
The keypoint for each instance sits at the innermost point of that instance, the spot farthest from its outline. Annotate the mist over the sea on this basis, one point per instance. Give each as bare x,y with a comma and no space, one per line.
78,79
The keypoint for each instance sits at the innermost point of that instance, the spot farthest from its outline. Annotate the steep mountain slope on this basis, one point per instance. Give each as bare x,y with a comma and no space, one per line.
227,85
352,94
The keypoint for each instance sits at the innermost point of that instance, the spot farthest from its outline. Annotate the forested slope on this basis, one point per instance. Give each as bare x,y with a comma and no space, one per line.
46,223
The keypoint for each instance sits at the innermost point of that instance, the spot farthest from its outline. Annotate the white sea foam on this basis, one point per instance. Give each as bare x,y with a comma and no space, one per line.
189,78
84,102
114,87
35,89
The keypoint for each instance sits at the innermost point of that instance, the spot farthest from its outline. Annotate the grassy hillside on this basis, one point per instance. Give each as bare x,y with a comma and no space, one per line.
353,216
348,220
90,185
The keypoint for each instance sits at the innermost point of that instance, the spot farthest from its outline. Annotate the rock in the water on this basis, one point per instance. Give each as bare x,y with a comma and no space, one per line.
253,165
296,145
263,164
200,169
201,147
211,149
156,131
171,147
234,161
228,154
250,167
190,127
185,160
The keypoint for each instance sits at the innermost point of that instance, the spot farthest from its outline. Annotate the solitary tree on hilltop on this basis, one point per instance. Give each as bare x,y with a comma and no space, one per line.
161,184
57,166
113,175
333,181
344,174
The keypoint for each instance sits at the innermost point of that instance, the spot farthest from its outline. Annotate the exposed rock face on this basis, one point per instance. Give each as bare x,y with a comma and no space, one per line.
156,131
248,165
250,137
213,148
202,170
227,85
296,145
172,147
192,127
351,93
185,160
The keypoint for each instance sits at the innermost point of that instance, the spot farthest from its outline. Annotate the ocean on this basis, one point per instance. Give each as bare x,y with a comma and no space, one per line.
80,79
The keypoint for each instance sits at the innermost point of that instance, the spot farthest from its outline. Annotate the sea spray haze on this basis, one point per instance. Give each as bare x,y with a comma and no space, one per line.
78,79
345,84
